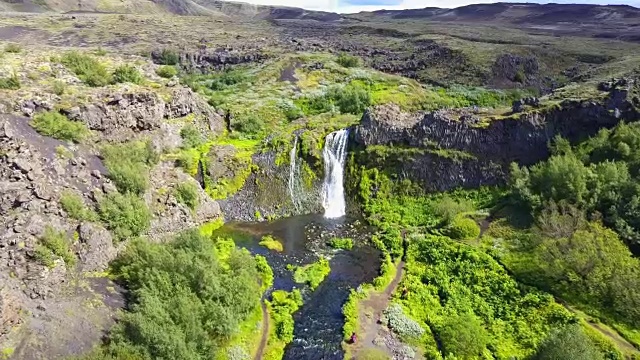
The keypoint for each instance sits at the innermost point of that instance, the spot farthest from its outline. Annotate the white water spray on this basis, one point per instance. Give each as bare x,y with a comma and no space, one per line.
334,155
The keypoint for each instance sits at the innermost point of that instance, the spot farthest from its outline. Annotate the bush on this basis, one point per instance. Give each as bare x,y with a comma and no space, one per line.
344,244
169,57
464,337
54,243
58,126
271,243
125,215
73,205
13,48
401,324
58,87
351,99
311,274
185,301
250,125
128,165
10,83
127,73
282,305
191,137
463,228
348,61
187,194
226,79
568,343
88,69
448,209
167,71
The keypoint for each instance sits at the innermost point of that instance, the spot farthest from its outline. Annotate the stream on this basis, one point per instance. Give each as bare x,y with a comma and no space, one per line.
319,322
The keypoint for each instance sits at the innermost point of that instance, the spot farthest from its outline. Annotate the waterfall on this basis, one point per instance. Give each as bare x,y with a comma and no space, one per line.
294,173
334,155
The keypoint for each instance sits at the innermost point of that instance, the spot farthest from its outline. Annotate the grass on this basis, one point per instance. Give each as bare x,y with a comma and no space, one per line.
58,126
126,216
167,71
208,228
271,243
54,244
74,206
87,68
127,74
311,274
187,194
10,83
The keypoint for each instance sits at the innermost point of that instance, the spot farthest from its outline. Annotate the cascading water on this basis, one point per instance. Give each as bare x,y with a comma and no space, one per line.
334,155
294,175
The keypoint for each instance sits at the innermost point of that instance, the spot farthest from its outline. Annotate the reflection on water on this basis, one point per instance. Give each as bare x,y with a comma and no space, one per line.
318,323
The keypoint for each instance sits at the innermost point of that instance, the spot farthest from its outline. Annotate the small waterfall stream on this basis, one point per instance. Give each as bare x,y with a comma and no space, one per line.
334,155
294,176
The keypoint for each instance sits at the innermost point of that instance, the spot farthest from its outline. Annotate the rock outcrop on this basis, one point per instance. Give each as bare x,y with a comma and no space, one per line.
121,116
458,148
207,60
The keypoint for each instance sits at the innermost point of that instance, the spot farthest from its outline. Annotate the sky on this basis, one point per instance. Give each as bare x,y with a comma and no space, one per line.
351,6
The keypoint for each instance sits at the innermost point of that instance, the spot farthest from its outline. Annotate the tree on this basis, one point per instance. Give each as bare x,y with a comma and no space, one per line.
568,343
463,336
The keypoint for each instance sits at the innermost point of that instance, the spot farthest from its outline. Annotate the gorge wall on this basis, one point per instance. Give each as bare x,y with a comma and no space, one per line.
446,149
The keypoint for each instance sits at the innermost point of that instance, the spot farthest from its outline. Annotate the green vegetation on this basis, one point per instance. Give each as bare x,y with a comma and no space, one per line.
281,308
187,194
188,298
58,126
58,87
169,57
271,243
463,229
311,274
348,61
127,74
344,244
74,206
10,83
129,165
13,48
191,137
87,68
54,244
167,71
126,216
570,343
464,336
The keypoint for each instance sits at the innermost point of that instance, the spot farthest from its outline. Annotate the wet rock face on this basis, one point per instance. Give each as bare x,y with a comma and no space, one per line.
488,148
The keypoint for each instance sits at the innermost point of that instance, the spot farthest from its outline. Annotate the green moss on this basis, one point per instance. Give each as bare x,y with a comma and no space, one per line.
271,243
344,243
311,274
281,309
208,228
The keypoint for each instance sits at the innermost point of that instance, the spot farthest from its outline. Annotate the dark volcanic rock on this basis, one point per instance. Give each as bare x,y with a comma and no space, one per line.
459,150
207,60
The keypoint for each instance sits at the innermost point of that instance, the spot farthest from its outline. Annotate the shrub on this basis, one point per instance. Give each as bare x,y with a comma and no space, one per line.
128,165
271,243
13,48
88,69
282,305
351,99
127,73
344,244
167,71
169,57
191,137
400,323
125,215
58,87
73,205
10,83
187,194
185,300
463,228
569,343
448,209
464,337
250,125
348,61
54,243
226,79
312,274
58,126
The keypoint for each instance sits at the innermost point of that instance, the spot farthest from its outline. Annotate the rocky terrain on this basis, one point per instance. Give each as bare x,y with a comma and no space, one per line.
204,110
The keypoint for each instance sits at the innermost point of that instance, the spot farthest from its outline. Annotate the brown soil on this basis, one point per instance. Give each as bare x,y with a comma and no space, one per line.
265,332
370,312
